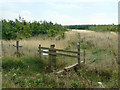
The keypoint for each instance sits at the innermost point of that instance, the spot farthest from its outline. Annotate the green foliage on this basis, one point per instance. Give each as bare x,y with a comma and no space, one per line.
75,84
97,51
51,32
104,28
10,63
101,28
29,72
20,29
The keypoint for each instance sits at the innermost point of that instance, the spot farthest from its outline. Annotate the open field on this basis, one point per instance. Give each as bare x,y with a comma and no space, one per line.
98,39
101,61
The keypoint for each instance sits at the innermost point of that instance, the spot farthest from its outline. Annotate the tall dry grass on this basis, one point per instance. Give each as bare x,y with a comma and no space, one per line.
99,39
107,41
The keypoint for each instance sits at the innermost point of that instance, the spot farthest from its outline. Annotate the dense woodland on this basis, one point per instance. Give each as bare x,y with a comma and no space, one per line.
102,28
19,29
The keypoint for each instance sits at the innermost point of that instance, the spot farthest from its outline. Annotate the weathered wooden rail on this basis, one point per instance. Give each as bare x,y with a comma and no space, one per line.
53,52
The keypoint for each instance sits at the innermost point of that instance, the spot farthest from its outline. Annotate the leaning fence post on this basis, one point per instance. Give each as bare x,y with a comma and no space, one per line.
84,56
39,51
78,46
51,50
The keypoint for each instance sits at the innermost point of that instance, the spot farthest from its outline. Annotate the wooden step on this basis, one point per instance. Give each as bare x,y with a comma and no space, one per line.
68,68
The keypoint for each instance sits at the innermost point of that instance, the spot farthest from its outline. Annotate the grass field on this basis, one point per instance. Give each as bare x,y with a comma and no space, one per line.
31,71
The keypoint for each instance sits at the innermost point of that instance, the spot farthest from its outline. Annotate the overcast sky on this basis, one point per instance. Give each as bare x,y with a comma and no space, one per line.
65,12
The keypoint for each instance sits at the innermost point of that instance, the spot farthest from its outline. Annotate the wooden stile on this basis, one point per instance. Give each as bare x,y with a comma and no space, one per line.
52,54
68,68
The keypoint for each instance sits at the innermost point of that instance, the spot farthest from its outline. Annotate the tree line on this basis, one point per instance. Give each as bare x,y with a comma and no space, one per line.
20,28
111,27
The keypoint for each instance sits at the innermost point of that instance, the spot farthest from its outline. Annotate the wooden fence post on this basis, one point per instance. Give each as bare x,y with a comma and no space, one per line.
78,46
51,50
18,49
84,56
40,51
17,46
54,56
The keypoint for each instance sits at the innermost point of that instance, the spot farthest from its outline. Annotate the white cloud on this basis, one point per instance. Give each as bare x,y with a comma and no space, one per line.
25,12
9,15
102,18
64,6
63,19
96,18
77,1
10,9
